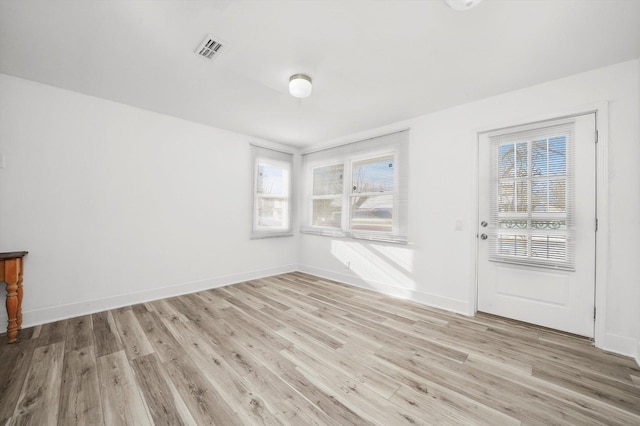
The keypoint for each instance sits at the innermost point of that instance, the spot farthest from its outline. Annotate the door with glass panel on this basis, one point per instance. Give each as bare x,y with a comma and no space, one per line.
536,236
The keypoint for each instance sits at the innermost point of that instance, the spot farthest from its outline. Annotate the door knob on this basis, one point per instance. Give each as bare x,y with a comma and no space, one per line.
484,236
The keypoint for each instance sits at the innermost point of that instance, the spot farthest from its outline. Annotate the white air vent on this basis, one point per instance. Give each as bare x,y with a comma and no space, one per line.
210,47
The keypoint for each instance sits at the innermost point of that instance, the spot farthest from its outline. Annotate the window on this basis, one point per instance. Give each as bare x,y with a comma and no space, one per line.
533,197
272,193
358,190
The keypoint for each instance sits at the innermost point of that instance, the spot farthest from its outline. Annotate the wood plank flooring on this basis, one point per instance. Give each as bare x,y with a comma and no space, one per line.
296,349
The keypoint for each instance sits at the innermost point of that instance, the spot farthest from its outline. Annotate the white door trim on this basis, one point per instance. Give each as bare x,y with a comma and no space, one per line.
601,109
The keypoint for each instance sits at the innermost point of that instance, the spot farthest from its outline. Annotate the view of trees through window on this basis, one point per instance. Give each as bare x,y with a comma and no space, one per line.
532,198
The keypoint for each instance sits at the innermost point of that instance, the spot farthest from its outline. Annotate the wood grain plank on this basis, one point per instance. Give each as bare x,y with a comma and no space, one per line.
131,334
80,333
288,404
80,401
236,392
305,327
203,401
333,408
106,337
53,333
364,402
140,308
575,404
40,396
156,391
378,382
166,311
16,358
122,403
298,349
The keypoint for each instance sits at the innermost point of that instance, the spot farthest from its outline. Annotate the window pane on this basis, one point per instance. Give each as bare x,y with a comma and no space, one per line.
272,180
539,194
552,247
523,196
530,204
506,197
327,212
328,180
512,245
539,158
372,213
522,159
557,196
549,196
558,156
373,175
505,161
272,213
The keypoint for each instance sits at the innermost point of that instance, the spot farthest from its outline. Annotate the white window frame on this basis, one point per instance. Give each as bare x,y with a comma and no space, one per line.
312,197
394,193
348,160
276,159
568,263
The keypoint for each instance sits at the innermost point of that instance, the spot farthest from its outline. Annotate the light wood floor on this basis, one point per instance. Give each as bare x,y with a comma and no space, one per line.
295,349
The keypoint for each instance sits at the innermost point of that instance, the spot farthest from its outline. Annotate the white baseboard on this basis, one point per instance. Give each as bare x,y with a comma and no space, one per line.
621,345
62,312
454,305
612,342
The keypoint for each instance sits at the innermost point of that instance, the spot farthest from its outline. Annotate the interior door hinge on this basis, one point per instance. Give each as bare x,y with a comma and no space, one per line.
596,137
594,313
596,225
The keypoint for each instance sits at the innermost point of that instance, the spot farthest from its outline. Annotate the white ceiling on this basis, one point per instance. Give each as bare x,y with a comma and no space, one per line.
373,62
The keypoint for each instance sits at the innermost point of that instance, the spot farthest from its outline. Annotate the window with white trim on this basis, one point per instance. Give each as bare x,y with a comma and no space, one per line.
533,196
358,190
271,193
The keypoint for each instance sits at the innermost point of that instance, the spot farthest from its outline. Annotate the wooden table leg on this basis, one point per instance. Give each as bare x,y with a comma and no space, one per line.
19,313
11,278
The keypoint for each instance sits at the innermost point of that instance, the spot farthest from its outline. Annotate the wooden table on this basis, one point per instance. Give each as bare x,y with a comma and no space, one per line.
11,273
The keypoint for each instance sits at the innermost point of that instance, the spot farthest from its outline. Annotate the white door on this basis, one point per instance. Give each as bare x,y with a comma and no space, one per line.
536,253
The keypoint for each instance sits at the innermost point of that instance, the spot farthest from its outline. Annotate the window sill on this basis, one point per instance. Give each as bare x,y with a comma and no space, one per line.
394,239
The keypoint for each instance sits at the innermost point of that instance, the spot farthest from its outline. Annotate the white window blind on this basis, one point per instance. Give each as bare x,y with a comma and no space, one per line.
532,198
271,192
358,190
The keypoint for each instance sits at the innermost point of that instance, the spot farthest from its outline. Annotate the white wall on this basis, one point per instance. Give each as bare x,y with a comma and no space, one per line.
638,194
437,267
118,205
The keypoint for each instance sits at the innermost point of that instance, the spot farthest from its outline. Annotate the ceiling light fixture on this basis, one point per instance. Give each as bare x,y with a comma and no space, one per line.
300,85
462,4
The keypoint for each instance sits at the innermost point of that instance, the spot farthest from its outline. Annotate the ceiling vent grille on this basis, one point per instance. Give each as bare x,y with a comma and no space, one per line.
209,47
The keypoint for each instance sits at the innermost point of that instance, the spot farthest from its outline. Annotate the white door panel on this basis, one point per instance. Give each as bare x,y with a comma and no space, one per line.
515,280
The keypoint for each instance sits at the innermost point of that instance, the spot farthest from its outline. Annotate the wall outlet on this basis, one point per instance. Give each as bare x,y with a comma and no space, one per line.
459,225
348,264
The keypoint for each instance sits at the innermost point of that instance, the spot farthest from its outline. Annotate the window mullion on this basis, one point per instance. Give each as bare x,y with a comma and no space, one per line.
346,192
529,198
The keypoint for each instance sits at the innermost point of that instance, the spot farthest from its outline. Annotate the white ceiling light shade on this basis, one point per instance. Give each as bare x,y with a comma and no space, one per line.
300,85
462,4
